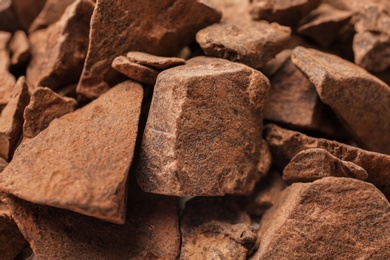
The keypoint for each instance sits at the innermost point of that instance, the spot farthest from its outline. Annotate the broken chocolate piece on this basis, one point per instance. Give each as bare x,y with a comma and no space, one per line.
135,71
12,241
203,134
119,26
50,13
285,144
293,101
156,62
252,43
11,119
81,161
357,97
7,81
285,12
265,159
58,52
20,49
324,24
45,105
151,231
340,217
215,228
316,163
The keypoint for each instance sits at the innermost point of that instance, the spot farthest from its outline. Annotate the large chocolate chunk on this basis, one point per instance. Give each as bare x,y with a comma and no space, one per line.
156,62
215,228
203,134
361,100
81,161
340,218
156,27
11,119
58,52
252,43
285,144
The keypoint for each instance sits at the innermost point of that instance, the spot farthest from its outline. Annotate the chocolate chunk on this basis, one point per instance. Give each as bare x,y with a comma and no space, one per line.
285,144
252,43
135,71
156,62
50,13
357,97
265,159
58,52
215,228
316,163
331,217
150,232
118,26
203,134
285,12
12,241
45,105
81,161
20,49
324,24
293,101
11,119
7,80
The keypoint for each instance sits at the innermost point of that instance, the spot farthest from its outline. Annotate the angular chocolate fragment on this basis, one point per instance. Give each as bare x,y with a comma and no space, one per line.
266,193
50,13
265,159
58,52
285,144
11,240
285,12
156,27
203,134
324,24
357,97
252,43
151,231
316,163
20,48
45,105
135,71
293,101
11,119
156,62
81,161
215,228
7,81
330,217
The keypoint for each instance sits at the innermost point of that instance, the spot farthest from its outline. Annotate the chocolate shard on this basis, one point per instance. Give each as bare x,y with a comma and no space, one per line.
316,163
45,105
135,71
156,62
293,101
265,194
26,11
285,12
265,160
285,144
203,133
12,241
151,231
118,26
324,24
215,228
20,49
340,217
11,119
252,43
357,97
7,80
81,161
50,13
58,52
